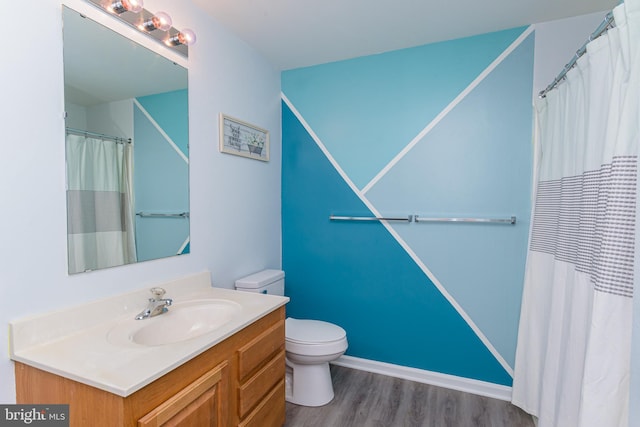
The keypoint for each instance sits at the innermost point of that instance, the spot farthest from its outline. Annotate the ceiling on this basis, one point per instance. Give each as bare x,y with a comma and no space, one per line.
298,33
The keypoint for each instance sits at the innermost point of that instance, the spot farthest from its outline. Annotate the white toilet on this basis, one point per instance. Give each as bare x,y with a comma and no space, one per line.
310,345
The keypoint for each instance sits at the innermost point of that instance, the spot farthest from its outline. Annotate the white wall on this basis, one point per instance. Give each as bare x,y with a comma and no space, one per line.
235,202
113,118
557,42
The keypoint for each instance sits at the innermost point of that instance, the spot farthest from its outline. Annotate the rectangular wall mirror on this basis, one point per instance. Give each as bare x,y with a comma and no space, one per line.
127,142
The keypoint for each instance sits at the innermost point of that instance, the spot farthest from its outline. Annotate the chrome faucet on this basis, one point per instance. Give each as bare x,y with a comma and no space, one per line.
157,304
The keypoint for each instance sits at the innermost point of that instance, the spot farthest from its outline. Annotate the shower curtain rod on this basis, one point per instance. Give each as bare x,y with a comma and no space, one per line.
609,22
81,132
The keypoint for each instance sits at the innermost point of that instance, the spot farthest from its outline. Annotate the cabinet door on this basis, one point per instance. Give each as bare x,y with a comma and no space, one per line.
198,404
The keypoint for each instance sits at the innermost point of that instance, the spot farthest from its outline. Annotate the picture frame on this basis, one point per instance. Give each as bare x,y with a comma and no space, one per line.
243,139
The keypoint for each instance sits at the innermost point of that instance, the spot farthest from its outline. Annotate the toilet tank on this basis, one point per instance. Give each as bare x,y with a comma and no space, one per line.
265,282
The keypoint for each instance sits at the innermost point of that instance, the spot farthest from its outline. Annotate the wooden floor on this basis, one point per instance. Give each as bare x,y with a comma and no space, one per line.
363,399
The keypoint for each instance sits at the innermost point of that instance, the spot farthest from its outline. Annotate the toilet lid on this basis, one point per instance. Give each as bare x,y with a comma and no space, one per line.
312,331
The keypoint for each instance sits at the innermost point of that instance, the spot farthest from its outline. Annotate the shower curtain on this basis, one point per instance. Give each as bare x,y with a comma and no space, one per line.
100,217
573,355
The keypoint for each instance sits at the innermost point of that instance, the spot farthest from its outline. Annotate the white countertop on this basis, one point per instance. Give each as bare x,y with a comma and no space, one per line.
73,343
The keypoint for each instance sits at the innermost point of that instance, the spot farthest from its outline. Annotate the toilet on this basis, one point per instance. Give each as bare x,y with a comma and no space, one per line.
309,346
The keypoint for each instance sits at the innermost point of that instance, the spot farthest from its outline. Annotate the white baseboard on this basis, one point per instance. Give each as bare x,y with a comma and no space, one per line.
466,385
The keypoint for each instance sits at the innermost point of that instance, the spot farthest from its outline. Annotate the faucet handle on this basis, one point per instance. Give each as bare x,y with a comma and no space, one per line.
158,293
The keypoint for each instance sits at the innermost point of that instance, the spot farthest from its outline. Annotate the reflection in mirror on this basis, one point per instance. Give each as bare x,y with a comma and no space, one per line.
126,149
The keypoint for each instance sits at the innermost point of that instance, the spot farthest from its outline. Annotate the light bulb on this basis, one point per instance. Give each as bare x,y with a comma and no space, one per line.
120,6
186,37
160,21
133,5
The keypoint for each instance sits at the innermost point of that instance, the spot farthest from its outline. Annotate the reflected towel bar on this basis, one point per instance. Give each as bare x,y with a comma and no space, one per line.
416,218
162,215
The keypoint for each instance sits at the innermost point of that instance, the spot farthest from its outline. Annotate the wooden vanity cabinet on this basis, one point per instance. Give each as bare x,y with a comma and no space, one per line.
238,382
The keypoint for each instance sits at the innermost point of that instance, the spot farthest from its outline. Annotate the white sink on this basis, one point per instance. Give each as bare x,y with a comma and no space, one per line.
184,320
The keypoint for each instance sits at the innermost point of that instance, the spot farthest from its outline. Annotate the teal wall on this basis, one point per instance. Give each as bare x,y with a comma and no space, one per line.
441,297
161,175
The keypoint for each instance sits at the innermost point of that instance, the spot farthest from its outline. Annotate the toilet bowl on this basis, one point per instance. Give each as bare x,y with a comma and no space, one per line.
309,346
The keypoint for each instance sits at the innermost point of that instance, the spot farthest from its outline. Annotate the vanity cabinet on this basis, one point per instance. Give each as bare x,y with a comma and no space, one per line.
238,382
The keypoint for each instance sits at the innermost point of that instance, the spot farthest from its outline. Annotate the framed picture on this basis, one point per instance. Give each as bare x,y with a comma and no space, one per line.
243,139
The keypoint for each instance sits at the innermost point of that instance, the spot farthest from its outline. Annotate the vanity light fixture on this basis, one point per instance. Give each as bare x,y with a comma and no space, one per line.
186,37
159,21
121,6
132,13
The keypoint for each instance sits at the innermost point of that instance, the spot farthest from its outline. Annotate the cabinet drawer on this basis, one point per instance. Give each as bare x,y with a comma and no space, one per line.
252,355
257,386
270,412
199,404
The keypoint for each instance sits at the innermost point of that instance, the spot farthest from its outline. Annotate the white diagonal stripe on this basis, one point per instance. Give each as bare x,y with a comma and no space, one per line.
162,132
184,245
448,109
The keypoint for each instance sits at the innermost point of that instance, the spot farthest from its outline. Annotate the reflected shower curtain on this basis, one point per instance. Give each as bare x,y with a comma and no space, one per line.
100,217
573,355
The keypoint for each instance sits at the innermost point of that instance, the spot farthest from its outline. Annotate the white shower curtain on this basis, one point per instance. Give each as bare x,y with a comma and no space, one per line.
100,217
573,355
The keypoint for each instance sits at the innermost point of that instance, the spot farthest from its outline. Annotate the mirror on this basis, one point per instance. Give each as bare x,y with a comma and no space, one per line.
126,141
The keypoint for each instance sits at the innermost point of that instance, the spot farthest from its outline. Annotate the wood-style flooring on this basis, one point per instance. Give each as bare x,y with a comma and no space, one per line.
364,399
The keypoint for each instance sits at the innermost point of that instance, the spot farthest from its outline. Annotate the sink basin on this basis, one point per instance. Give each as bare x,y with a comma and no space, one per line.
184,320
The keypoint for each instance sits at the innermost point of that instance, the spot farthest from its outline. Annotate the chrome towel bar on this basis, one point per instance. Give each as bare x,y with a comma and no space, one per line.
417,218
511,220
368,218
162,215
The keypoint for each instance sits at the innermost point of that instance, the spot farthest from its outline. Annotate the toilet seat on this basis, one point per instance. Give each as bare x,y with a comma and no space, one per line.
311,332
314,337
